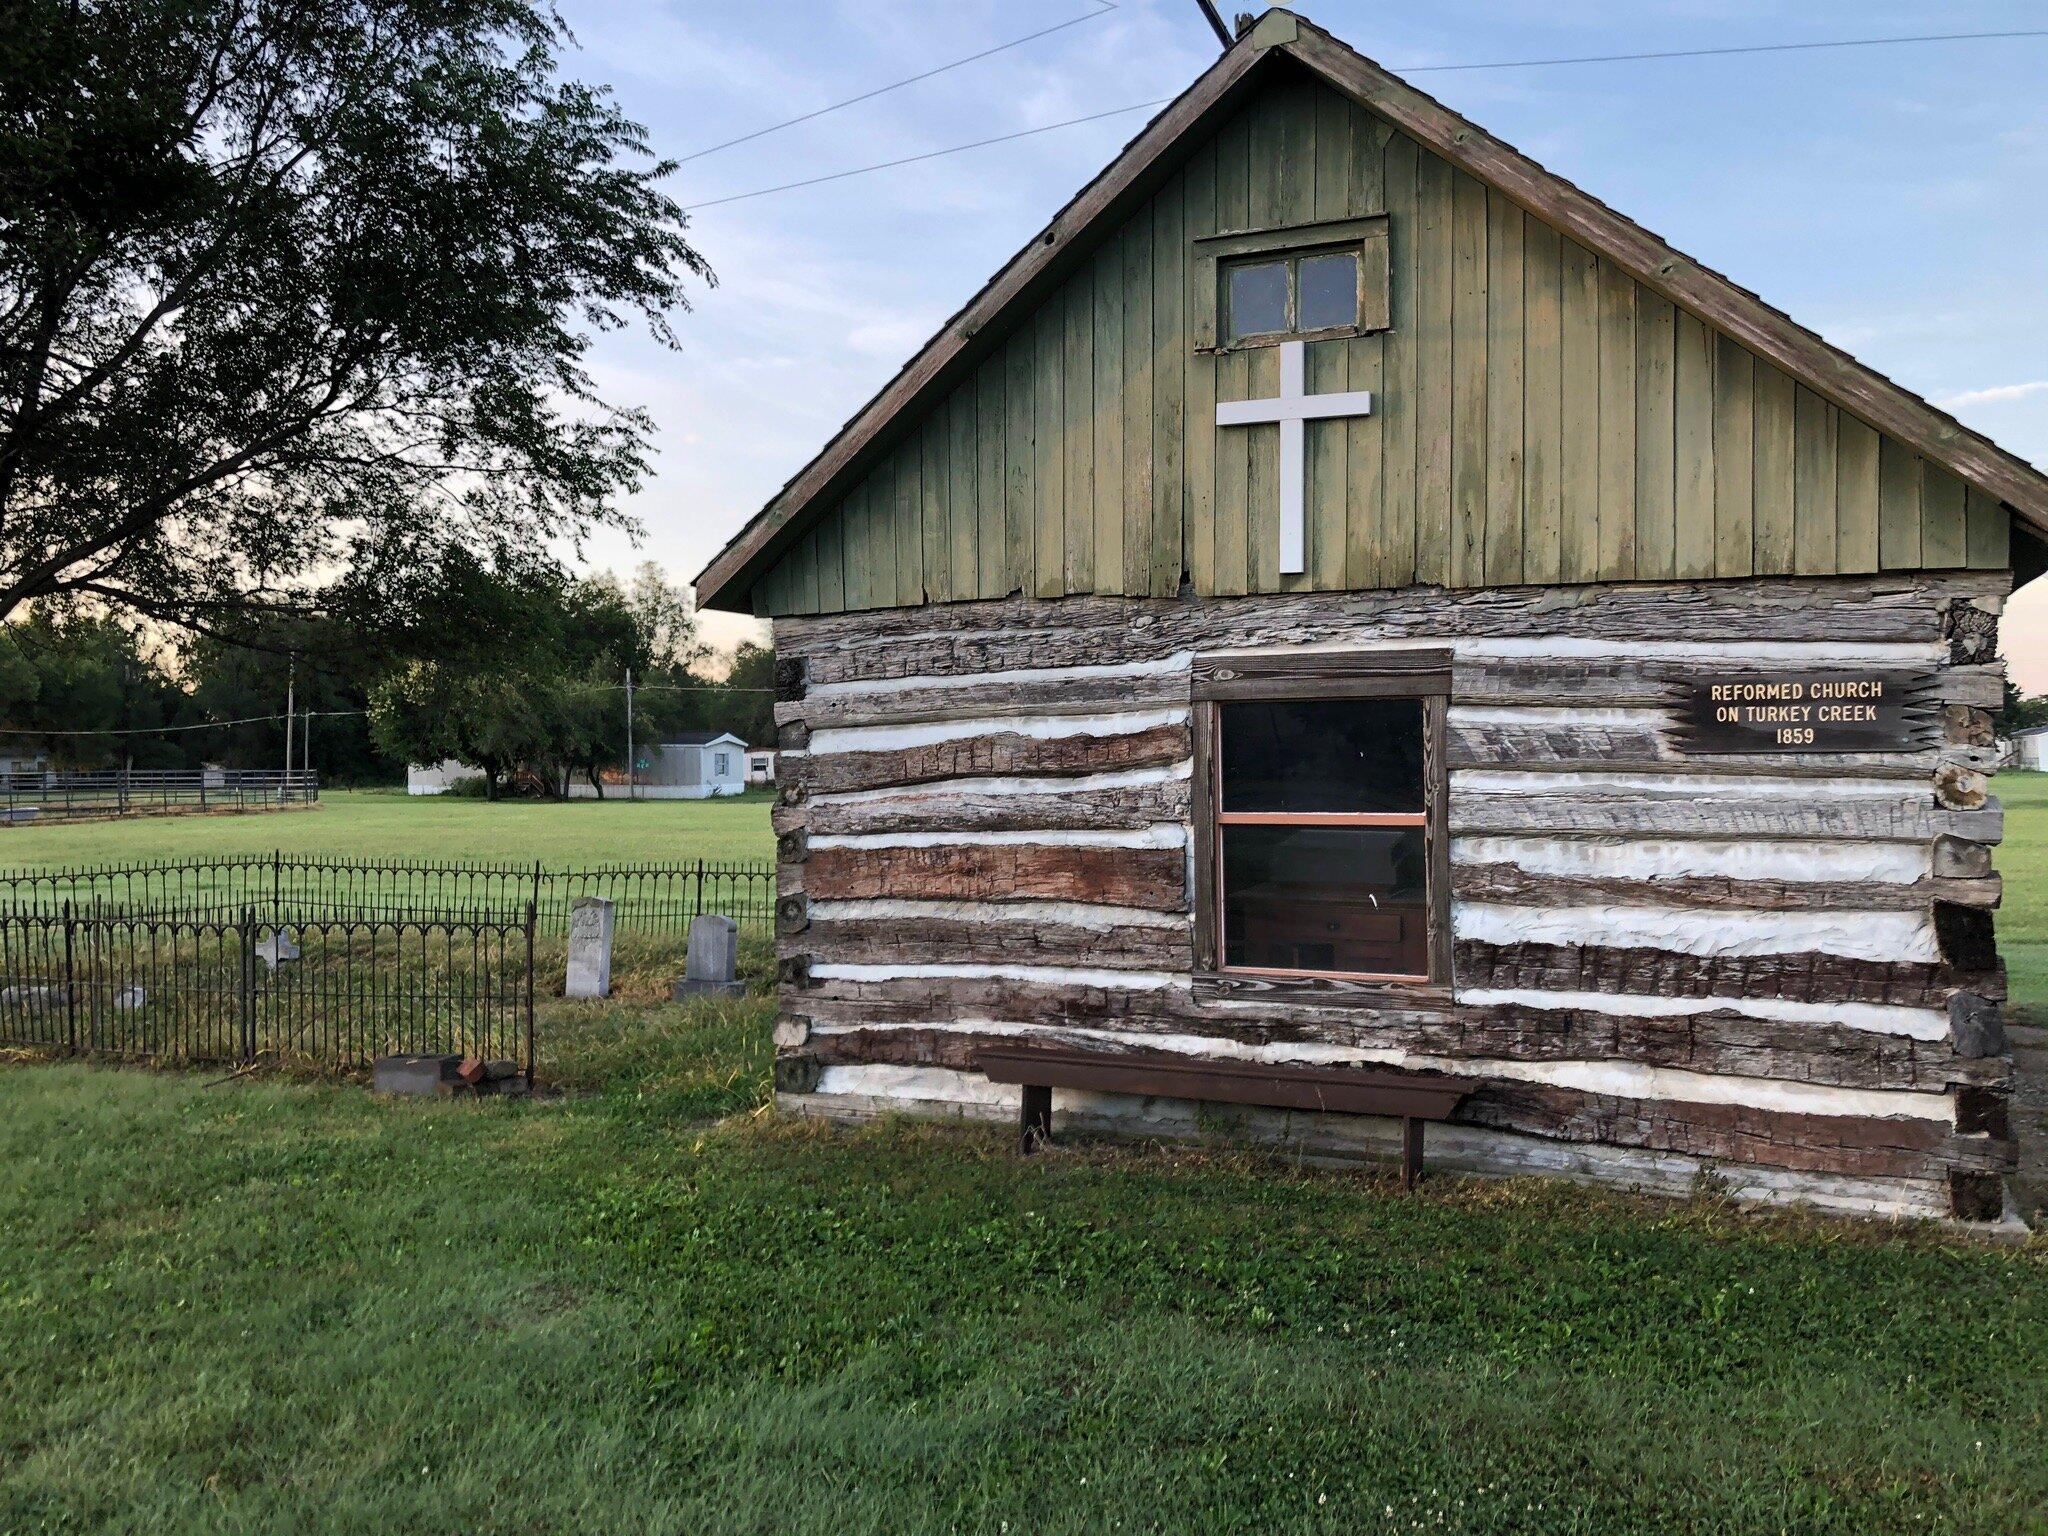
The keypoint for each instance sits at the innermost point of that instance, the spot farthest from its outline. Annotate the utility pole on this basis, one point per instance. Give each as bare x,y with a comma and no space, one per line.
1216,21
632,762
291,704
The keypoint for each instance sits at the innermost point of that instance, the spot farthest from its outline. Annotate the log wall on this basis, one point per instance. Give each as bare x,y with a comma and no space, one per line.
1776,970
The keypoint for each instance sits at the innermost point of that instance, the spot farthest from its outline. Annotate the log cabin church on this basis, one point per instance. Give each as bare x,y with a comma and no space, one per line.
1346,631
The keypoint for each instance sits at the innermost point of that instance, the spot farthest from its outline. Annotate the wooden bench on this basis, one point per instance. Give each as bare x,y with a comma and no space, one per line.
1414,1097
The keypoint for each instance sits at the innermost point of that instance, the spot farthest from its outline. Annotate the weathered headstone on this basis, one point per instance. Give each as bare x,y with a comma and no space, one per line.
590,948
276,947
712,967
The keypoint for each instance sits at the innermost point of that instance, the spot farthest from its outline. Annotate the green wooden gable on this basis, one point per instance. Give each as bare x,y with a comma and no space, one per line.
1539,416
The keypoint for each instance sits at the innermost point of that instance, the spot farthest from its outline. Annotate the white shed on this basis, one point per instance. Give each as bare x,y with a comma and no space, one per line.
693,765
2027,749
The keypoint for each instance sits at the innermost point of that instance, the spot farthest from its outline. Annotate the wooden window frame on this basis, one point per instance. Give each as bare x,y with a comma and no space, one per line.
1366,238
1423,674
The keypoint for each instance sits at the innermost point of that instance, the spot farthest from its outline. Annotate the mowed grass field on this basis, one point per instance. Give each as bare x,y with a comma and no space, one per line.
384,824
2023,913
652,1305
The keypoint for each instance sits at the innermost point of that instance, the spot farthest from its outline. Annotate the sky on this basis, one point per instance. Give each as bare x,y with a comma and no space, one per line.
1889,197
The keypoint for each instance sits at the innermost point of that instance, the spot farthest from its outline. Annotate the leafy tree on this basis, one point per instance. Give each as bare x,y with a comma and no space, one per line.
75,674
542,687
295,297
427,711
2018,712
331,668
745,701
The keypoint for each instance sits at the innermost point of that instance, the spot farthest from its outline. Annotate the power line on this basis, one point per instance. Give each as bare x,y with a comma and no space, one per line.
1001,138
1716,53
173,730
332,714
897,85
1417,69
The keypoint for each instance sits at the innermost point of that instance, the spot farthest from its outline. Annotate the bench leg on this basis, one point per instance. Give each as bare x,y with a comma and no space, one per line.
1411,1151
1034,1123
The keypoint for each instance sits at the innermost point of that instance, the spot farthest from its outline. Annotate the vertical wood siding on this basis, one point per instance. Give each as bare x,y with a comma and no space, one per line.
1539,417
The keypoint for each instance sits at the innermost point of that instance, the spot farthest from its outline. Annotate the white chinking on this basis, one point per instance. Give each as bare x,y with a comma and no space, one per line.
1881,936
889,738
1650,858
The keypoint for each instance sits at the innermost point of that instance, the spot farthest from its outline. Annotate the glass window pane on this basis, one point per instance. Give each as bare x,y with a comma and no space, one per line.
1342,755
1258,298
1325,899
1329,291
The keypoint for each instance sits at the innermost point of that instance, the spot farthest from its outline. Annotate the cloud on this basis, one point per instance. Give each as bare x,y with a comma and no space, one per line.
1998,394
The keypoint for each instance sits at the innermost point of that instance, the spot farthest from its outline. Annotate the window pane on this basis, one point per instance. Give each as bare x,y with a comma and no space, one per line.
1325,899
1329,291
1258,298
1345,755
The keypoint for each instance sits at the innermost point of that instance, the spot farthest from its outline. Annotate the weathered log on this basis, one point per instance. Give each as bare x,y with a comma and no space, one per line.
792,914
1909,818
1718,1043
1564,746
1623,680
1507,882
931,940
1967,726
952,810
1000,753
970,700
1020,633
1152,878
1961,787
1971,630
1845,1144
1960,858
1977,1025
1804,977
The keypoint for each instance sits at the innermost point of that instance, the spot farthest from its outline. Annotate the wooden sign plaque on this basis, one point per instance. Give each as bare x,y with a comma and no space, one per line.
1802,711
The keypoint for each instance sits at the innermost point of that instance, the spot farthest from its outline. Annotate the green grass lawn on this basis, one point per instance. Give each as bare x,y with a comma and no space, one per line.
393,824
654,1306
2023,914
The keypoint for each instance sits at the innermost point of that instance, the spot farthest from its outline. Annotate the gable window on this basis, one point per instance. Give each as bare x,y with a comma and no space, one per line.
1292,295
1306,281
1321,852
721,763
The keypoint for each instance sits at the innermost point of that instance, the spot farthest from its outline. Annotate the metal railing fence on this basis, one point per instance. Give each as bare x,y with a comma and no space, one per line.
332,992
652,899
55,796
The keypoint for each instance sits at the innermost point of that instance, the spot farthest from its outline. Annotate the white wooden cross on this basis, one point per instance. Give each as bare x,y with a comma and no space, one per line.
1292,408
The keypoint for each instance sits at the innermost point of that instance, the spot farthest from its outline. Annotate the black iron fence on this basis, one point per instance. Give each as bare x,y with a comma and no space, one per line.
333,992
652,899
53,796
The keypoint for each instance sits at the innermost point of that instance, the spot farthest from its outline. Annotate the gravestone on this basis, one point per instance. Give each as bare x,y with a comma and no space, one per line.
590,948
276,947
712,967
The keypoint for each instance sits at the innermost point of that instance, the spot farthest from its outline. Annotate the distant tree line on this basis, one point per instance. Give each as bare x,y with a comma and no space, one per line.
520,673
